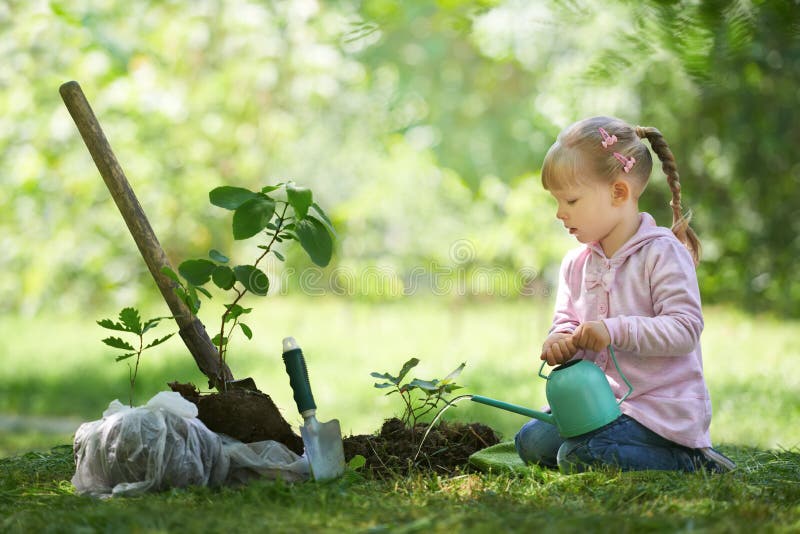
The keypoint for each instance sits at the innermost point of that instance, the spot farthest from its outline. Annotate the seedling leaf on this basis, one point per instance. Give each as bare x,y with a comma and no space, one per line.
386,376
130,318
151,323
454,374
357,462
159,341
118,343
410,364
111,325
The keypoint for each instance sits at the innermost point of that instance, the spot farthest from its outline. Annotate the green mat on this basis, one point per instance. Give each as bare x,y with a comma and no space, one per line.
500,458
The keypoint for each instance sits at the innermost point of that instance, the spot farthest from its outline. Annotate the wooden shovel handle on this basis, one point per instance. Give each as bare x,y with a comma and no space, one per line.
191,329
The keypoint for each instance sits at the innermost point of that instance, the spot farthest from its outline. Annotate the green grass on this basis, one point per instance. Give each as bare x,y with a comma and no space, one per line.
762,496
56,366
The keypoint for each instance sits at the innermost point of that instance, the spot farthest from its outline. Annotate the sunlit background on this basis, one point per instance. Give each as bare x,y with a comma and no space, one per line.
420,127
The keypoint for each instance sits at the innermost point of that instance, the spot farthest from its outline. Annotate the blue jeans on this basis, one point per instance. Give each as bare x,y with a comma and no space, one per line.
623,443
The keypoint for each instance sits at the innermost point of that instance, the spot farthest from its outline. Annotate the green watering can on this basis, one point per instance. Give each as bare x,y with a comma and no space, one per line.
579,395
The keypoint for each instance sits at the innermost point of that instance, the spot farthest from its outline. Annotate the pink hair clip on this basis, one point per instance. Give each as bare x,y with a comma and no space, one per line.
627,164
608,140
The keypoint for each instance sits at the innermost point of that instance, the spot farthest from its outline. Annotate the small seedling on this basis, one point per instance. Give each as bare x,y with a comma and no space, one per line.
130,321
254,212
433,391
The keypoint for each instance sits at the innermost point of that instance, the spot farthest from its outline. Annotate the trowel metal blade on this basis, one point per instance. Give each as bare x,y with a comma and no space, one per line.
323,447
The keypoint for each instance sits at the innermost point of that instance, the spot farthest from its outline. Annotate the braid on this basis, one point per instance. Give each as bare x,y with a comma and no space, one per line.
680,222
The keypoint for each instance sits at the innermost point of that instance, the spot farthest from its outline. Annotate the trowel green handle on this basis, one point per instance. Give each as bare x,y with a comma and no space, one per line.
546,417
295,364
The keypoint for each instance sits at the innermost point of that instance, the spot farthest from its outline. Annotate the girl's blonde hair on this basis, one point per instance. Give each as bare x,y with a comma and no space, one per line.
578,153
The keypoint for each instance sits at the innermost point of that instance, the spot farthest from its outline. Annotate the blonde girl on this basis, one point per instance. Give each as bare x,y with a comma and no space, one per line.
631,285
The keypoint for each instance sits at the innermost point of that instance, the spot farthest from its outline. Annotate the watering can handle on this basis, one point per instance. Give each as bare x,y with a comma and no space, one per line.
630,387
540,371
613,357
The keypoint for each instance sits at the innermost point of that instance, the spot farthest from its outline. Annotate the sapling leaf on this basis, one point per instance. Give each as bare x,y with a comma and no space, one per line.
325,219
159,341
279,255
218,256
246,330
194,300
215,340
130,318
384,385
223,277
204,291
315,239
230,197
252,278
300,198
124,356
197,272
111,325
236,311
449,388
169,273
271,188
252,216
118,343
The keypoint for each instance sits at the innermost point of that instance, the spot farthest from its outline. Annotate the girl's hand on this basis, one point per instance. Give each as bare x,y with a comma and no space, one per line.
558,348
592,336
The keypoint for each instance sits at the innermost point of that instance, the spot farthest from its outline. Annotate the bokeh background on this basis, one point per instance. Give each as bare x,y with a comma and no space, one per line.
421,127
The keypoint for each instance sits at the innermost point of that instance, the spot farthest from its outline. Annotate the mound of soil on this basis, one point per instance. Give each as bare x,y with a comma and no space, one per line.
245,414
250,415
447,447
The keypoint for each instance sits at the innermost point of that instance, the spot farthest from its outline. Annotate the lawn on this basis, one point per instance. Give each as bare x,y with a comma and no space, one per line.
55,367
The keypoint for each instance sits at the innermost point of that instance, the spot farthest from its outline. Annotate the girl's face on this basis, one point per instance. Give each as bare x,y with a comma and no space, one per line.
587,210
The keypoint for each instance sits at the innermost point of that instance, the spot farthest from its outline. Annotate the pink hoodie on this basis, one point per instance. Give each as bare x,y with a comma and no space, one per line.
647,296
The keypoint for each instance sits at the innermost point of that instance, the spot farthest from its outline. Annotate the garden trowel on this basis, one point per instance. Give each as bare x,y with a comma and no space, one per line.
322,441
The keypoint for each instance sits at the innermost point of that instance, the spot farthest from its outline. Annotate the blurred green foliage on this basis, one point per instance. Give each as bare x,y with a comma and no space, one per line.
421,125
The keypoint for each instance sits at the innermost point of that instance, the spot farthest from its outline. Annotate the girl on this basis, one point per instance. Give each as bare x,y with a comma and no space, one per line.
632,285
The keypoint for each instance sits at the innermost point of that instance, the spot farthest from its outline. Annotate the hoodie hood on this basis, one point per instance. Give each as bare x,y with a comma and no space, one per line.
648,231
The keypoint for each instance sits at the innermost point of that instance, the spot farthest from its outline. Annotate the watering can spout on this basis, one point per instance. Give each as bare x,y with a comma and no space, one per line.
541,416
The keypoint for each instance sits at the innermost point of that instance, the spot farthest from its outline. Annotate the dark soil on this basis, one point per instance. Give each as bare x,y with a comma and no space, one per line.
446,449
250,415
245,414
